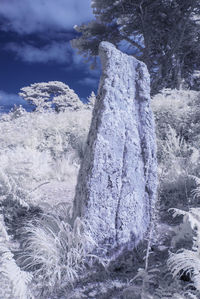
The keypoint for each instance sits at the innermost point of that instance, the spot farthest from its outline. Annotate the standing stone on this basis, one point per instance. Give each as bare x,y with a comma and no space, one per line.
117,180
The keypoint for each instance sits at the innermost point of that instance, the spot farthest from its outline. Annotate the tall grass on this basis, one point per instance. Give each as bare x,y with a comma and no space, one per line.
37,148
54,252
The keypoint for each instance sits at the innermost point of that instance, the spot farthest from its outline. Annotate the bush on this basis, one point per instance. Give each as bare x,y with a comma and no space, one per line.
37,148
176,113
179,109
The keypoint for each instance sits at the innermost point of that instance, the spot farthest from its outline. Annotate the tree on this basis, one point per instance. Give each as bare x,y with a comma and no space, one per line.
165,34
53,95
17,111
91,101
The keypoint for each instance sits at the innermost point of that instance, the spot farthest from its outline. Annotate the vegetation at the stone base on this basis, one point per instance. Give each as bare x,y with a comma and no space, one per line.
162,33
50,256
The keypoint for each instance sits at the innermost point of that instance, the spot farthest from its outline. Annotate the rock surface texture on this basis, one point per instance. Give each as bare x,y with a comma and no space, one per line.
117,180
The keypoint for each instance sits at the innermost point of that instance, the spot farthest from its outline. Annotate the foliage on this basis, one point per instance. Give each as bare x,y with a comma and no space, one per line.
162,33
14,283
53,251
178,164
177,125
179,109
51,95
177,128
41,149
188,260
91,100
38,148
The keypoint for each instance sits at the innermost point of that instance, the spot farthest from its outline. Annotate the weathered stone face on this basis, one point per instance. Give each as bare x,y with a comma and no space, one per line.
117,180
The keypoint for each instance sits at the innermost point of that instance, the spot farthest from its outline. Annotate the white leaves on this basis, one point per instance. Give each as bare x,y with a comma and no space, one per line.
17,281
192,217
189,226
41,147
51,95
54,251
18,278
91,101
196,192
187,261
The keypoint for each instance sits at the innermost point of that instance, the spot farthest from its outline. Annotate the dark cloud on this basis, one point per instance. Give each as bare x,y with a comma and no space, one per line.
37,32
44,28
58,52
31,16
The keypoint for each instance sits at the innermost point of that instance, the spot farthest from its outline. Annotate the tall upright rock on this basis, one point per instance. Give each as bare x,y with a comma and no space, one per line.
117,180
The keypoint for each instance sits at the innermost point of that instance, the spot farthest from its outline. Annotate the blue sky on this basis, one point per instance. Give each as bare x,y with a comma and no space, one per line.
34,46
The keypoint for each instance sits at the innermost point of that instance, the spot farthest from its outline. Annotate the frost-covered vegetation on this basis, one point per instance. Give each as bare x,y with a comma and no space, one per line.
178,126
43,257
37,148
40,154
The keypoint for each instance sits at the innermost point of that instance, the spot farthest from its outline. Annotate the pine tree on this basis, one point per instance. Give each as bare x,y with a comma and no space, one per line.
51,95
91,101
165,34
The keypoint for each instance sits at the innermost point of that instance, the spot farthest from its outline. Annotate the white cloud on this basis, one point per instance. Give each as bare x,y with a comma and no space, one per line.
91,75
30,16
89,82
57,52
54,52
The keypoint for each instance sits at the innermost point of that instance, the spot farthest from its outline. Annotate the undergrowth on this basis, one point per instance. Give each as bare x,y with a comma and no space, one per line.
38,149
53,252
173,263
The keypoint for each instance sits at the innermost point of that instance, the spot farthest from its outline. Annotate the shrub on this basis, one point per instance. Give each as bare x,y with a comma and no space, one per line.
179,109
37,148
178,150
51,95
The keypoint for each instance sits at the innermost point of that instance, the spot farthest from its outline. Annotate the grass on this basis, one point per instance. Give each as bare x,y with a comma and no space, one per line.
37,148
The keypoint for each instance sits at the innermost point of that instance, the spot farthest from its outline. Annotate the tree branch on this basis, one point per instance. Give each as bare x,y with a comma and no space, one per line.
132,42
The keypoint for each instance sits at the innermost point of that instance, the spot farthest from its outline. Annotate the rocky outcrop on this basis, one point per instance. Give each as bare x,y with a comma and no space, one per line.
117,180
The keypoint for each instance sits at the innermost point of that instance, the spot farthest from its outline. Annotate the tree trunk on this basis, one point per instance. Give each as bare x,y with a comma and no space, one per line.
177,78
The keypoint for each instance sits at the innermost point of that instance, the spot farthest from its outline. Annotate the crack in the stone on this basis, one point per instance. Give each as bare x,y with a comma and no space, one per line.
142,137
117,220
143,140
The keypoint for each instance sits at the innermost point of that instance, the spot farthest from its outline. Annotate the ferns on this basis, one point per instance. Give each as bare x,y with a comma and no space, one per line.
188,262
14,282
18,279
196,192
185,260
37,148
